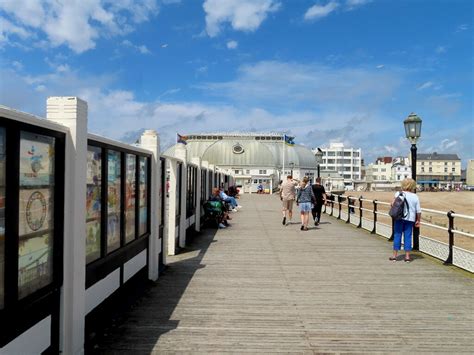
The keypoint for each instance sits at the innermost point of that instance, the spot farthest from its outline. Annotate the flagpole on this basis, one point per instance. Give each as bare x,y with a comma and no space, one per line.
284,147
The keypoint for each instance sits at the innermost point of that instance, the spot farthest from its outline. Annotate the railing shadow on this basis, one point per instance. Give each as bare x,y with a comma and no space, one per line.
151,315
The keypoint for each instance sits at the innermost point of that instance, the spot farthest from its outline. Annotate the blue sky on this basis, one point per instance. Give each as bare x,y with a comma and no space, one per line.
339,70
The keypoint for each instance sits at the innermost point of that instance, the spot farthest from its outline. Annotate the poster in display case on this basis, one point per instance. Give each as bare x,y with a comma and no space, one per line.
113,201
130,198
36,160
143,188
35,262
92,240
2,214
36,212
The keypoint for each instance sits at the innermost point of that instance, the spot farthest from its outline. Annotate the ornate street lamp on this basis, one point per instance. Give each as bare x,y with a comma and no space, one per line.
413,132
319,160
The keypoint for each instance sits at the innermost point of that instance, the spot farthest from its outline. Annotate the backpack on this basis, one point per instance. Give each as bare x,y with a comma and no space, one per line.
397,209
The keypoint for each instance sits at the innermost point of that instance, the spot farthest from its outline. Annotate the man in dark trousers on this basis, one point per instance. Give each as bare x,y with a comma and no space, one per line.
320,194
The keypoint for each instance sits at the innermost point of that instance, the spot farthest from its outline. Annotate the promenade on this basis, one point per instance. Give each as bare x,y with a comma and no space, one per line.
258,286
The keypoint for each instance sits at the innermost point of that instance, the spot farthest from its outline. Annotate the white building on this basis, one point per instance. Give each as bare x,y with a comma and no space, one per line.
401,169
253,158
345,161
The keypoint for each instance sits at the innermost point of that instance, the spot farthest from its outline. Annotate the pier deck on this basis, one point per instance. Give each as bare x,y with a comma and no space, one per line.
261,287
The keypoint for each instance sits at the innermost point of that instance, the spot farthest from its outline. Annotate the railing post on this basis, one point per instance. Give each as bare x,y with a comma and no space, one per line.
348,209
339,198
181,153
393,231
449,260
360,212
416,238
197,213
374,230
332,205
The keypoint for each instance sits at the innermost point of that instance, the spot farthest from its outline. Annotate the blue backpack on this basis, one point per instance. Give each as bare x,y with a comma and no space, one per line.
397,211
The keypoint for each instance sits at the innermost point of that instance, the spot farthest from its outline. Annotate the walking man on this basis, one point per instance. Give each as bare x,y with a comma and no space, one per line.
287,197
320,194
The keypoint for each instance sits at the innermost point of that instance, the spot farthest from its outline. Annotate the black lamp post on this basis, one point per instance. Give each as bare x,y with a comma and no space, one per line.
319,160
413,131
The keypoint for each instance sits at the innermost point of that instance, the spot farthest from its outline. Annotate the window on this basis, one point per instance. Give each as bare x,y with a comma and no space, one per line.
114,196
445,170
422,163
143,197
445,163
356,154
36,213
93,203
453,170
130,197
2,214
422,169
383,170
399,177
331,154
262,172
236,172
255,181
430,169
247,172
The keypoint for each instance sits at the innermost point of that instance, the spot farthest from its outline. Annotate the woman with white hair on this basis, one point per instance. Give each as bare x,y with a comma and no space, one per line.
411,218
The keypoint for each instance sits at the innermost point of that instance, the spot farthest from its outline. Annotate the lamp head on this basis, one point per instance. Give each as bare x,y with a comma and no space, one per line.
412,127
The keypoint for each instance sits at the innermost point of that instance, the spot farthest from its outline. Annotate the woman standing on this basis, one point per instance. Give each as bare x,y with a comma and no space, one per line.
412,215
305,200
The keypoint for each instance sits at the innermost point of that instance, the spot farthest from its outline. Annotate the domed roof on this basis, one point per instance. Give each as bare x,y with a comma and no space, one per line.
248,152
239,153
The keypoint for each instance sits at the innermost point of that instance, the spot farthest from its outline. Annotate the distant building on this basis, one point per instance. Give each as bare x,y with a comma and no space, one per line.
253,158
347,162
387,173
470,172
438,170
401,169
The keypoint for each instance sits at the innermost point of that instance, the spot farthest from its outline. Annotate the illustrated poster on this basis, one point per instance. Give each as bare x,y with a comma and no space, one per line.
36,160
36,210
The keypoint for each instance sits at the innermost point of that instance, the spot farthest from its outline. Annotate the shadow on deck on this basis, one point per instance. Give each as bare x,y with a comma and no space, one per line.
259,286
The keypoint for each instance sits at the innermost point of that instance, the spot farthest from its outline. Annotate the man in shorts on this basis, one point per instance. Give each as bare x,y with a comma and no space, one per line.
287,197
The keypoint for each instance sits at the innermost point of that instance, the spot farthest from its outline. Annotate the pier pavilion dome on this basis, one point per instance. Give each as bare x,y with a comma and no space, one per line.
239,150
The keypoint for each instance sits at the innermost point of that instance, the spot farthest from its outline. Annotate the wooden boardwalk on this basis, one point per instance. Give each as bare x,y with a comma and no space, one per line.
260,287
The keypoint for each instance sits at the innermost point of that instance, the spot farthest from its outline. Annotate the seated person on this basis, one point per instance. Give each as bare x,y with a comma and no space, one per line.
260,189
231,200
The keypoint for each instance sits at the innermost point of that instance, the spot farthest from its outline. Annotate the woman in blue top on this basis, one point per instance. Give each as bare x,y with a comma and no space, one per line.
412,215
304,199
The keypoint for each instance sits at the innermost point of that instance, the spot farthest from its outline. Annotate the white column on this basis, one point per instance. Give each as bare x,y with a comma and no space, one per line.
180,153
205,165
72,112
150,141
170,208
197,224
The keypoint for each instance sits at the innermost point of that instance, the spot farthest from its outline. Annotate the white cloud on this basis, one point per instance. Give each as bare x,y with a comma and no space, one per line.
232,44
425,86
8,29
140,48
391,149
463,27
316,12
243,15
283,84
440,49
77,24
446,144
352,4
380,66
17,65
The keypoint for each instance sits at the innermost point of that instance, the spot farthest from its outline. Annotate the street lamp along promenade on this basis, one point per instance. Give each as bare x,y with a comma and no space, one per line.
413,131
319,160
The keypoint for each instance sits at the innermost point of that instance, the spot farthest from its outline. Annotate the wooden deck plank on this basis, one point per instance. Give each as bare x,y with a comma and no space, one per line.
260,287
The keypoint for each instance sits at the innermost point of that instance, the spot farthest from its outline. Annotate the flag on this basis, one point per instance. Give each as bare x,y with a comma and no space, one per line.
289,140
181,139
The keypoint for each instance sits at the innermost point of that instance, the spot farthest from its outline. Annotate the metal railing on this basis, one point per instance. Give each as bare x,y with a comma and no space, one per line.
350,204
